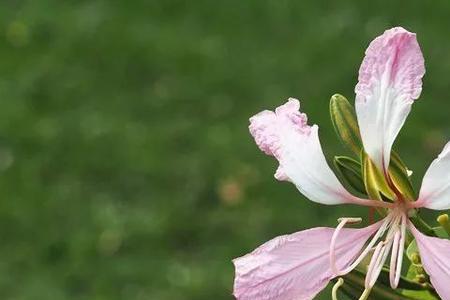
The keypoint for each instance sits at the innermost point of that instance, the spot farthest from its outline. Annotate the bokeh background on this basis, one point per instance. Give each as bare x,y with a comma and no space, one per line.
126,167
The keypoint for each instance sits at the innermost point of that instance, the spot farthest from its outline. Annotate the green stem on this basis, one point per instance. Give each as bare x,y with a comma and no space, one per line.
422,225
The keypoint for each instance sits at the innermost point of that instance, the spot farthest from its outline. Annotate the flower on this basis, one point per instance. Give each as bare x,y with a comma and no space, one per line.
299,265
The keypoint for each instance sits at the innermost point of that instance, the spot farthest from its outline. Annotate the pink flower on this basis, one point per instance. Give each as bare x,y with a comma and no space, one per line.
299,265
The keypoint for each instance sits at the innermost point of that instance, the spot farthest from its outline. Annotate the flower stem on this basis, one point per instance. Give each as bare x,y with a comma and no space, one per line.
422,225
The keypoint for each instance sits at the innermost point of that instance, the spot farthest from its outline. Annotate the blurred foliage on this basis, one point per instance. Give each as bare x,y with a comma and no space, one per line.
126,167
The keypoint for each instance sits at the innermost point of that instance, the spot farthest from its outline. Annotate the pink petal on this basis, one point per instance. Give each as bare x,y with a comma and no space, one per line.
390,78
296,266
285,135
435,255
435,190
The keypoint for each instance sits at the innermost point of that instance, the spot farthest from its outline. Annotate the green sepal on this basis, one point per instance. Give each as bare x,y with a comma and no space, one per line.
399,175
374,180
344,121
350,171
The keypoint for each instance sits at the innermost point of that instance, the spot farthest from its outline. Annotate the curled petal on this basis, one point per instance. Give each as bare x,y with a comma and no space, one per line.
286,135
390,78
435,255
295,266
435,190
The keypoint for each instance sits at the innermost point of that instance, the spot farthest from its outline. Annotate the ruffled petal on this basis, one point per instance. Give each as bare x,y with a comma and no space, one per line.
390,78
435,190
296,266
435,255
285,135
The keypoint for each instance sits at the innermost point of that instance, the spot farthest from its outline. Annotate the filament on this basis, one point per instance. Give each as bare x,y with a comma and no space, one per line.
336,287
342,223
394,259
380,262
398,270
372,264
363,254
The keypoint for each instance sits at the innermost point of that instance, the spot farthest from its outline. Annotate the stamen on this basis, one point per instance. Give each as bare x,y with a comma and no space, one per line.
365,294
384,252
377,269
336,287
350,220
394,258
400,251
373,262
363,254
342,222
397,253
372,277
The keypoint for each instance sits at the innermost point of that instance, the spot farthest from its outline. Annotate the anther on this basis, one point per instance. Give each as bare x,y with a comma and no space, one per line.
350,220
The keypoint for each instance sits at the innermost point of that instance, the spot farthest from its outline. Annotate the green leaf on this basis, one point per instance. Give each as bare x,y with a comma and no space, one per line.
374,181
344,121
350,171
399,174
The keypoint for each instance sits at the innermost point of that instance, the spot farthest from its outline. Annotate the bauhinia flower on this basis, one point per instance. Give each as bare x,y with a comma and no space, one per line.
299,265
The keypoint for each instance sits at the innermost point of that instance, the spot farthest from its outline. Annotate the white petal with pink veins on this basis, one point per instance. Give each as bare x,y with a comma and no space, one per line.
296,266
435,190
435,255
390,78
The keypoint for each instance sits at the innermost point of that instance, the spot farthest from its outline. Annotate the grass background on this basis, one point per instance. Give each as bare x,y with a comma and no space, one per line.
126,167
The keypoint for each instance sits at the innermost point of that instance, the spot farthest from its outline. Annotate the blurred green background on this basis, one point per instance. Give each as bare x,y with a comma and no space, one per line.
126,167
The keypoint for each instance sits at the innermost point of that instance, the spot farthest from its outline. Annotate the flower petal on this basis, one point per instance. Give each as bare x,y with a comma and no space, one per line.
296,266
285,135
435,255
435,190
390,78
